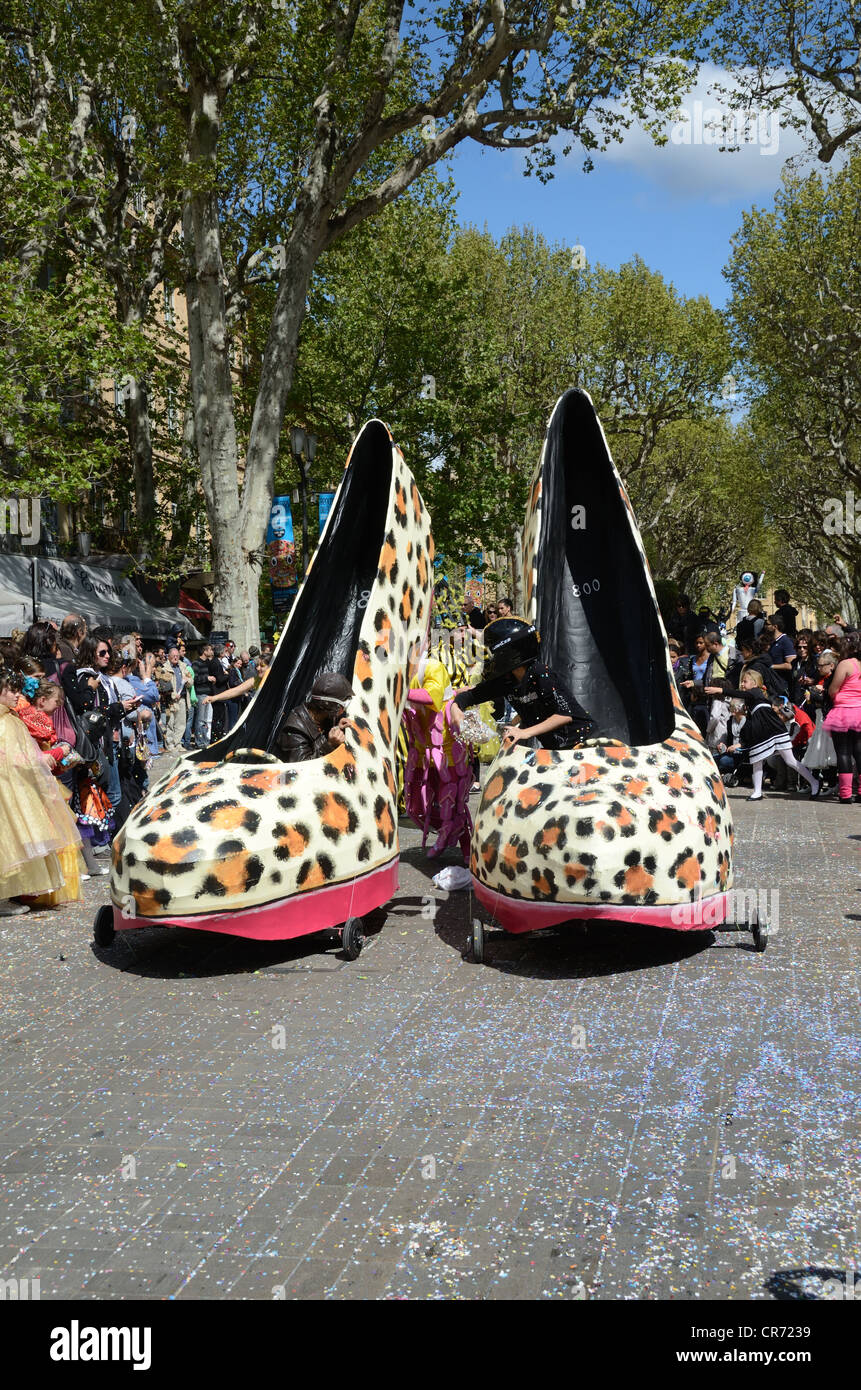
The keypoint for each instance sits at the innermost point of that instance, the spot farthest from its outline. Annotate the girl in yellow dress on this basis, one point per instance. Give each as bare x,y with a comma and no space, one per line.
39,841
438,769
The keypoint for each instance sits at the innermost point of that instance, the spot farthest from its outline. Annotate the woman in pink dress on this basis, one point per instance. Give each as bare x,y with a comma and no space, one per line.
843,720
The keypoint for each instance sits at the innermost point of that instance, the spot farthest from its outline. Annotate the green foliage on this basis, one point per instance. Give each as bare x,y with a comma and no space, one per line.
60,337
799,57
503,328
317,140
56,437
406,299
698,500
796,306
652,357
517,350
383,313
81,217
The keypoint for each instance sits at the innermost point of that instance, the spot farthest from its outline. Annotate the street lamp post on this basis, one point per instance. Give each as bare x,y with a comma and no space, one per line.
304,447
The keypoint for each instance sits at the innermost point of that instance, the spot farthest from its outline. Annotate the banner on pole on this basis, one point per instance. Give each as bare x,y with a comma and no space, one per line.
281,553
474,579
324,503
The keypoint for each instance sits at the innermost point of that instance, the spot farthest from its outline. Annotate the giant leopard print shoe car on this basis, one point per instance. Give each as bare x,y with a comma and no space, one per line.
635,823
236,840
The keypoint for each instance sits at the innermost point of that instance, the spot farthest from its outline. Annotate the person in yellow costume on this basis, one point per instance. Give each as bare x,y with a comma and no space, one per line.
438,769
39,841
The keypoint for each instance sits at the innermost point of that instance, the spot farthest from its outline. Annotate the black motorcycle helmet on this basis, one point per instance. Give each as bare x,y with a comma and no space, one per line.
510,642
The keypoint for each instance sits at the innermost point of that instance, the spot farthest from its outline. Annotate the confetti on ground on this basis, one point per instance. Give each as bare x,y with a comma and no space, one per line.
599,1113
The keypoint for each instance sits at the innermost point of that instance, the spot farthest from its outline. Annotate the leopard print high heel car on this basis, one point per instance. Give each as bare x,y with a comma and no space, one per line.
235,840
634,824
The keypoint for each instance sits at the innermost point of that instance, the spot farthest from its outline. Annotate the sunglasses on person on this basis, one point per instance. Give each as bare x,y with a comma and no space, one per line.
103,651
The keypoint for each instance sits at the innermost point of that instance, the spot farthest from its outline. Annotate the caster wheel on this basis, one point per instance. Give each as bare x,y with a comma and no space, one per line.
352,938
759,932
477,941
103,927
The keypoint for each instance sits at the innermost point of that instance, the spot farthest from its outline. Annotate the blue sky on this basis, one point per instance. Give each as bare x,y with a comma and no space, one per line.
677,206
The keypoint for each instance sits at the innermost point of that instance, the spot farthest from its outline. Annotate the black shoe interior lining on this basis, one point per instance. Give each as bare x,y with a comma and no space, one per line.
597,619
323,634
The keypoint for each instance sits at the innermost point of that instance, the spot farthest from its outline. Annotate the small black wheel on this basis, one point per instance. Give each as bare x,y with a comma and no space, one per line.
352,938
103,927
477,941
759,932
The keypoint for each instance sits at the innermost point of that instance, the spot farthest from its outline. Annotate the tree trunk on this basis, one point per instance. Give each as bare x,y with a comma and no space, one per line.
276,378
237,523
216,448
139,427
517,572
234,605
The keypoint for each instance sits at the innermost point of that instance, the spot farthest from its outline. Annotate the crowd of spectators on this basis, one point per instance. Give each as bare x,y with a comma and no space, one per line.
124,701
812,680
771,700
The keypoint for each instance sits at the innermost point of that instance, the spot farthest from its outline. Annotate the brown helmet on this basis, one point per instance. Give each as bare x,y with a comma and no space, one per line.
330,689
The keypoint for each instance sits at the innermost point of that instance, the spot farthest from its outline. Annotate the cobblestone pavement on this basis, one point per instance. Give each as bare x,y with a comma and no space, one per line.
607,1112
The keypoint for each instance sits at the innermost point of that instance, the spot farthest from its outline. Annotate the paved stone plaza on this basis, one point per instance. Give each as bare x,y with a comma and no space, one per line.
608,1112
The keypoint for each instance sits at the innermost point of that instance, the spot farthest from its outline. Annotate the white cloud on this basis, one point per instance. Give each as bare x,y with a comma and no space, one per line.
692,163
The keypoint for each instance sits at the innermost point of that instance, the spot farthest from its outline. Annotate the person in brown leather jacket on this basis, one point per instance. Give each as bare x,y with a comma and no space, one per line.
315,727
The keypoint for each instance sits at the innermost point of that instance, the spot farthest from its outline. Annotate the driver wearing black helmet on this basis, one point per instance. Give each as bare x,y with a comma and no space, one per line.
547,710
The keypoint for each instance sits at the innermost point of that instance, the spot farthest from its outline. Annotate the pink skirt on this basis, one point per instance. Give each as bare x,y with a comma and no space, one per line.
844,719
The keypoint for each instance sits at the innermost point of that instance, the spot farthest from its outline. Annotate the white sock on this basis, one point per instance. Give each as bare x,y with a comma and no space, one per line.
757,778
